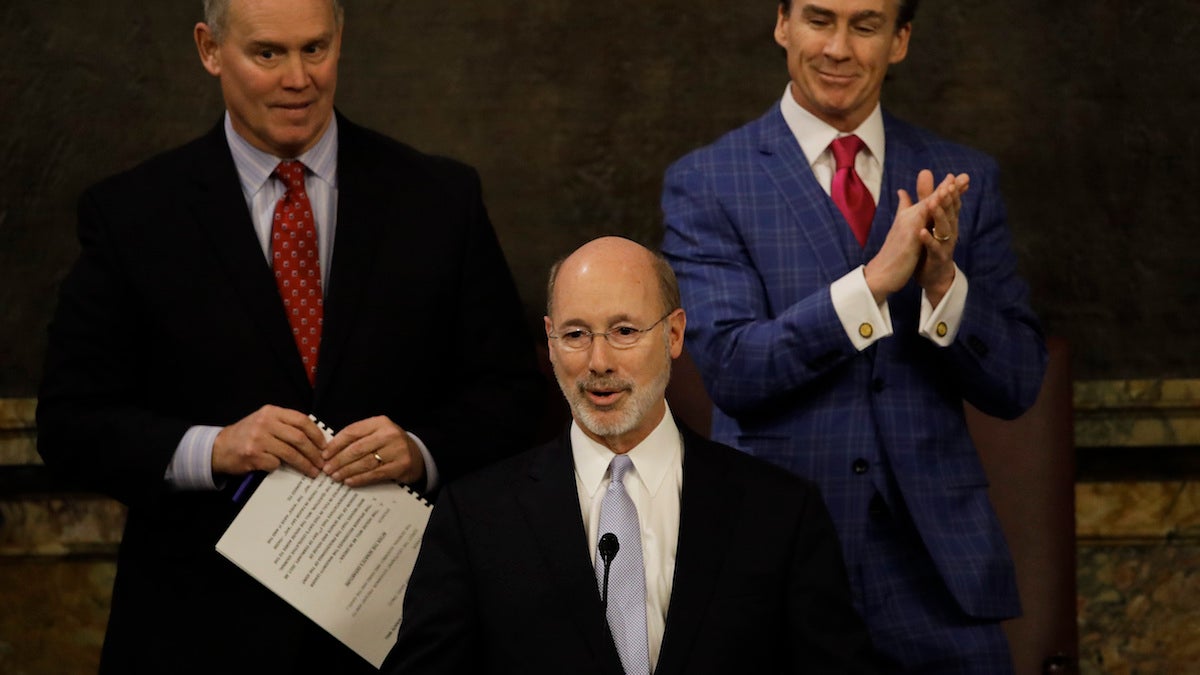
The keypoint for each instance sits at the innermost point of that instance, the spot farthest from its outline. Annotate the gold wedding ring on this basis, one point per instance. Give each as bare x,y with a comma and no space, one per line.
378,458
934,232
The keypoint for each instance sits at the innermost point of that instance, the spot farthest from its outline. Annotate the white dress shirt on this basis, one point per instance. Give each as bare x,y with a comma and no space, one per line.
852,298
654,485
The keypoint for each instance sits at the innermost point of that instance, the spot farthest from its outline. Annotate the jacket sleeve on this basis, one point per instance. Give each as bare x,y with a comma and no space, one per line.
95,427
999,355
749,350
754,348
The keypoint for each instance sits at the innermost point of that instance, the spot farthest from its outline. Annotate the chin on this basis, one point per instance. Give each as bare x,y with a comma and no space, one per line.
605,423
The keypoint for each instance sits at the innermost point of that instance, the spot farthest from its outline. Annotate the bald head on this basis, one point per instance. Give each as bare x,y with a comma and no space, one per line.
618,255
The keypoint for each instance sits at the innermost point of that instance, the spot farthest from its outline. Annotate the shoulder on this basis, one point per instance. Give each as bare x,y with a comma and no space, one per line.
168,169
733,146
371,151
746,470
504,475
909,138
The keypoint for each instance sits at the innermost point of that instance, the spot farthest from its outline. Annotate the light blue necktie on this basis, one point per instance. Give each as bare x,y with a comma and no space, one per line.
627,574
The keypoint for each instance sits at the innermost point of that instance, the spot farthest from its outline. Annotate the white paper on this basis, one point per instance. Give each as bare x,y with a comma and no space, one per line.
340,555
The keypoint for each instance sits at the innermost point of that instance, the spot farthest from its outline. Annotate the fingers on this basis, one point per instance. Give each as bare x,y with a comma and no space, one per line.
924,184
304,438
944,206
266,438
373,451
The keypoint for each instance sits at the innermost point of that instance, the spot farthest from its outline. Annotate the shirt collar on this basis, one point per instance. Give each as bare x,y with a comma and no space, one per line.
652,459
254,166
814,135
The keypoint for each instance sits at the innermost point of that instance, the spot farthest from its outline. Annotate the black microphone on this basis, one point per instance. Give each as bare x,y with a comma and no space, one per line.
608,550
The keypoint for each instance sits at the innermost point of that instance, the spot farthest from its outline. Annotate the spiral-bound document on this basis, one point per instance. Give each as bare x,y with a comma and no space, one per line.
340,555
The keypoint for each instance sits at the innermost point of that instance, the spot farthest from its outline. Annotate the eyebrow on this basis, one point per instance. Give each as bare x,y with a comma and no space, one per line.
612,320
865,15
323,38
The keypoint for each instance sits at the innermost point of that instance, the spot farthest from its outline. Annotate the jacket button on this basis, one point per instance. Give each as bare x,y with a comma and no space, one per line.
860,466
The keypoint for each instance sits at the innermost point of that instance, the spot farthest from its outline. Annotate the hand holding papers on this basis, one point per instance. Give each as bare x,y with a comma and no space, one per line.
340,555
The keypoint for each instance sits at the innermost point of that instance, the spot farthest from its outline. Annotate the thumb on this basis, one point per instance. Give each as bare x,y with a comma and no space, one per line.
924,183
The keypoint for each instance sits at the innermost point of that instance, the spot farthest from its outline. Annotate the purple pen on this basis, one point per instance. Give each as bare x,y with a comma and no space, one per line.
237,496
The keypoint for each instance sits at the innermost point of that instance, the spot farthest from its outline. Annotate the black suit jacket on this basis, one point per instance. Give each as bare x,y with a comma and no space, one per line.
170,318
504,582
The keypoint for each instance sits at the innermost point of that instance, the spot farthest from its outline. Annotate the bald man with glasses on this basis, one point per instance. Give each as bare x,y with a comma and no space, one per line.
630,544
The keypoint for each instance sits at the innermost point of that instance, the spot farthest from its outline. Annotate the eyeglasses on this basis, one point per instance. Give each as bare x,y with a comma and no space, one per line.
619,337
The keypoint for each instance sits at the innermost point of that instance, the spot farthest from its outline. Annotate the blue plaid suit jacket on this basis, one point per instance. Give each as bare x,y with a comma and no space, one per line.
756,244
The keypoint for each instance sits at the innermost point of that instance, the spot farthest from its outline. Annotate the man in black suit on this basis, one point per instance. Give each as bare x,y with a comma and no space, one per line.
288,262
738,568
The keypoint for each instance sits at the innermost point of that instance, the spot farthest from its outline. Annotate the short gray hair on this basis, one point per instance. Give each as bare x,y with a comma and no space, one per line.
216,12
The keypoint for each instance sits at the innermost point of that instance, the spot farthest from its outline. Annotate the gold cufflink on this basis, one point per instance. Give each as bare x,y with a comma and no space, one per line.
865,330
942,329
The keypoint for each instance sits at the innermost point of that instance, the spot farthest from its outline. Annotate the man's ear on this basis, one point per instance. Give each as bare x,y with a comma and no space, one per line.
781,28
900,43
676,325
208,47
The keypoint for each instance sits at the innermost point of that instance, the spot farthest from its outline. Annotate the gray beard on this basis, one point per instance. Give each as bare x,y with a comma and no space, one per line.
632,411
616,422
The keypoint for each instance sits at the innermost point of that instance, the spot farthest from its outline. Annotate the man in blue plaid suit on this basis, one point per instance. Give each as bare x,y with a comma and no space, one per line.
849,362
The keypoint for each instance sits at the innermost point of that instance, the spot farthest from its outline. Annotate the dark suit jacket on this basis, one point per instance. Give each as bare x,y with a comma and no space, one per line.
504,582
170,318
756,243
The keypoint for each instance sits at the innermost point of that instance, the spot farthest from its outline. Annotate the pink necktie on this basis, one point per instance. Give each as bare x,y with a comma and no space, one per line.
848,190
296,264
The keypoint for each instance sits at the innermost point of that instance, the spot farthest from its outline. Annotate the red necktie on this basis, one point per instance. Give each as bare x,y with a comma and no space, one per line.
848,190
296,264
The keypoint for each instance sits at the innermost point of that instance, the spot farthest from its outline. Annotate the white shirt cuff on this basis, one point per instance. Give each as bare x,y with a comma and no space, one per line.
940,325
431,472
191,467
864,321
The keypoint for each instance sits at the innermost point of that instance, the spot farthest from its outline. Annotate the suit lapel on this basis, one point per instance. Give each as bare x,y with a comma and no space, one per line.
550,503
707,512
364,191
902,161
822,225
221,215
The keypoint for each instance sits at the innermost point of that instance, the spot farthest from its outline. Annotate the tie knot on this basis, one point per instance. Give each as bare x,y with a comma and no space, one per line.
845,149
619,466
291,172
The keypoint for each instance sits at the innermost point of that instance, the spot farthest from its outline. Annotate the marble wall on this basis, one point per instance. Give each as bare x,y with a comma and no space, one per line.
1139,540
57,560
1139,578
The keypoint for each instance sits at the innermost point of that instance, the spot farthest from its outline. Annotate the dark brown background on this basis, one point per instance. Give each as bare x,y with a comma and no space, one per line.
572,110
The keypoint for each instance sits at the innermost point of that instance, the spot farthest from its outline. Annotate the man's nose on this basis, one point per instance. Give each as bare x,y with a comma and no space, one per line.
600,354
838,44
295,76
